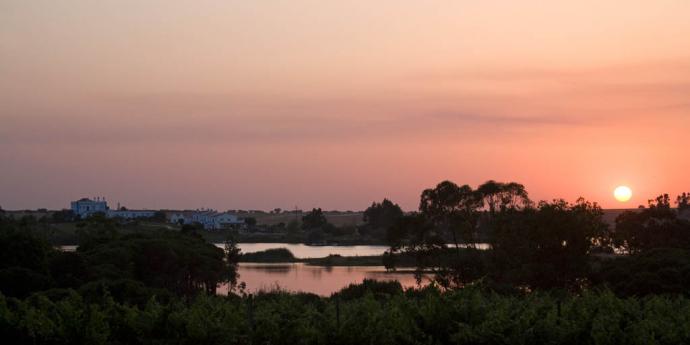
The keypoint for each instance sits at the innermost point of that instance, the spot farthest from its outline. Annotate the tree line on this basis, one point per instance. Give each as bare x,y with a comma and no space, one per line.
536,245
134,266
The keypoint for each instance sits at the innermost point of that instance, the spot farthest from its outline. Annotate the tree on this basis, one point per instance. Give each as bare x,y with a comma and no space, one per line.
537,247
656,226
63,216
293,228
498,196
683,202
95,230
314,219
447,213
250,221
381,216
452,209
68,269
178,262
232,257
655,271
316,235
547,246
24,259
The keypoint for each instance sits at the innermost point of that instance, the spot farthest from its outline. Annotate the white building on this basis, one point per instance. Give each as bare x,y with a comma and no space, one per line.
86,207
130,214
209,219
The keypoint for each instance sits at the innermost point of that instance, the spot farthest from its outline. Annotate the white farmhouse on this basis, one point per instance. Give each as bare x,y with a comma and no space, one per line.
209,219
86,207
130,214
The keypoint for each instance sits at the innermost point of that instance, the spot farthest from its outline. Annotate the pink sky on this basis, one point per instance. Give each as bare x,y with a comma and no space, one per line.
257,105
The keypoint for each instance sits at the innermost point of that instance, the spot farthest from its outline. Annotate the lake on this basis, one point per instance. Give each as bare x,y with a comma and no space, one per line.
303,251
319,280
300,250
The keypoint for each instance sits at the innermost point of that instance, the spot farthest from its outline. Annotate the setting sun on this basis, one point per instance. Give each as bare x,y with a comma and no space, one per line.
622,193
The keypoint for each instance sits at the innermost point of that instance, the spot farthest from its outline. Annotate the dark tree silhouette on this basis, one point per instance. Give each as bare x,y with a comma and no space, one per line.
498,196
314,219
683,201
383,214
250,221
379,217
447,213
656,226
547,246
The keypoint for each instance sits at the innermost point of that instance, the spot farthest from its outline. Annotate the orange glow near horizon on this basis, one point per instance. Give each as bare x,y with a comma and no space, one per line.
305,103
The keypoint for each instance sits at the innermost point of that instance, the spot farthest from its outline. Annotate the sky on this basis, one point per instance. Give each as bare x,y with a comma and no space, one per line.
301,104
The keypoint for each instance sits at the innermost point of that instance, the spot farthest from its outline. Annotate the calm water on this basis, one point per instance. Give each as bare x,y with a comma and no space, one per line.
304,251
314,279
301,251
320,280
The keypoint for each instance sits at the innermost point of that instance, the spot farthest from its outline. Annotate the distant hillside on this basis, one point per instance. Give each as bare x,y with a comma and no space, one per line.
334,217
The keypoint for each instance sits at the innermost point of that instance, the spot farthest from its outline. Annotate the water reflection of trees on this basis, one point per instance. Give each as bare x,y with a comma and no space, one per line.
270,269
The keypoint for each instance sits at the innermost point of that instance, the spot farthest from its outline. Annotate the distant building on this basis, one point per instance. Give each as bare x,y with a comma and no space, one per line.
86,207
130,214
209,219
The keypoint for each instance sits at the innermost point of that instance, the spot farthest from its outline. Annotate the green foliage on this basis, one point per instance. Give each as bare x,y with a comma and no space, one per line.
498,196
231,261
542,247
381,216
68,269
656,271
314,220
20,247
656,226
63,216
545,247
292,228
316,226
683,201
24,259
369,286
96,230
369,313
250,221
182,263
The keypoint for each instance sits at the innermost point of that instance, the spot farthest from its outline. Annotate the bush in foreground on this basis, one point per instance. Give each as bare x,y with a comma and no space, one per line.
373,313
